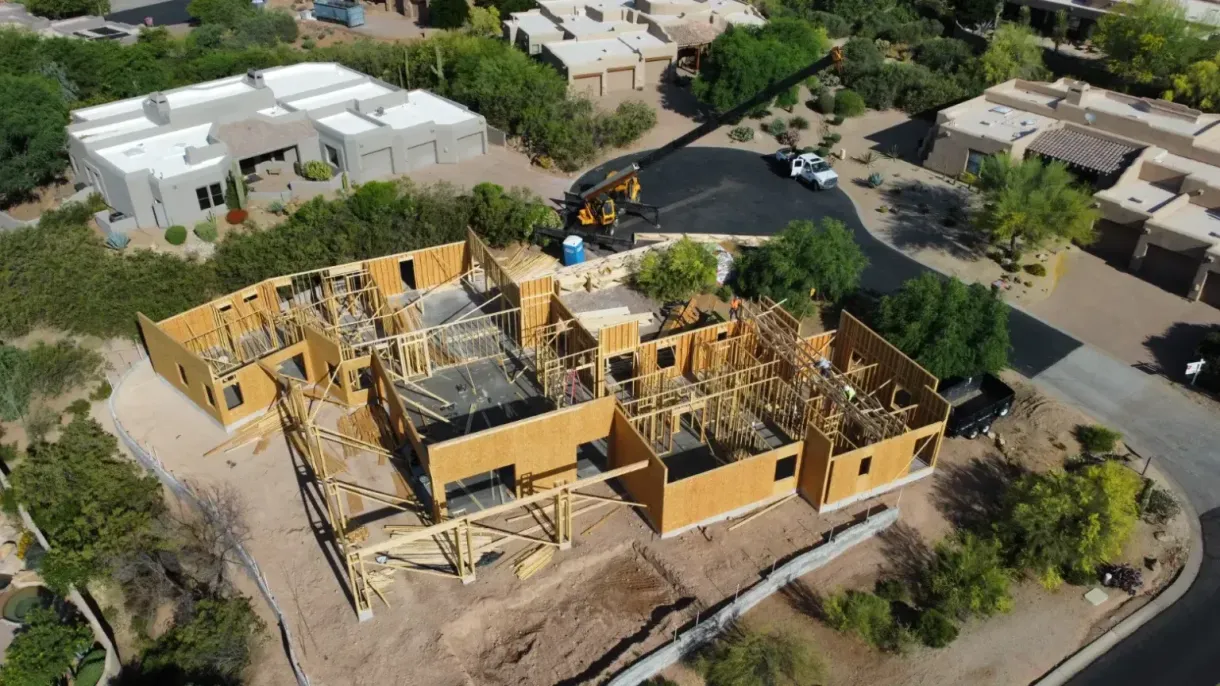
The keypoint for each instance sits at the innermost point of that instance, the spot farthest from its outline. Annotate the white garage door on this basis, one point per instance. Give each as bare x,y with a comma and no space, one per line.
655,69
421,156
376,164
620,79
471,146
590,85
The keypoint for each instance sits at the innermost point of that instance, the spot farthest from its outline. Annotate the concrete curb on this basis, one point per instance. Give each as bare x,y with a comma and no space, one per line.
1082,658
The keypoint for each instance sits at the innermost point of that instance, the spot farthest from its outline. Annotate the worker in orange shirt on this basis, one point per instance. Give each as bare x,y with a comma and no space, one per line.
735,308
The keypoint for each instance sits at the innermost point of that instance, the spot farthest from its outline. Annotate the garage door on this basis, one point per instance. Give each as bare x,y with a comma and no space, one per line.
420,156
1168,269
590,85
1211,289
620,79
376,164
655,70
471,146
1115,242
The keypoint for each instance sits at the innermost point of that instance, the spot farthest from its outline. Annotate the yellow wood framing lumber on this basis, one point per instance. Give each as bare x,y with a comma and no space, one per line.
755,515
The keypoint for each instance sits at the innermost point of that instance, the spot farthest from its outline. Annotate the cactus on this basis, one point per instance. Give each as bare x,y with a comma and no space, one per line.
439,69
406,68
239,186
874,180
117,241
347,186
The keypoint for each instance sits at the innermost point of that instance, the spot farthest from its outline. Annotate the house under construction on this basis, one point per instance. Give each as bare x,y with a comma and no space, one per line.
485,395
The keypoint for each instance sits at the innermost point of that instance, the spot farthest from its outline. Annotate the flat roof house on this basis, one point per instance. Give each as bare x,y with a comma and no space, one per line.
612,45
1154,164
163,159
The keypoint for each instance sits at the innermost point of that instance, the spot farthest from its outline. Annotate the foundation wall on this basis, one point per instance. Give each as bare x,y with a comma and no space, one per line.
647,485
542,449
727,488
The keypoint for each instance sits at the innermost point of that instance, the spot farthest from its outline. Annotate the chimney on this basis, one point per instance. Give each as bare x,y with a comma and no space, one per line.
1077,92
254,77
156,108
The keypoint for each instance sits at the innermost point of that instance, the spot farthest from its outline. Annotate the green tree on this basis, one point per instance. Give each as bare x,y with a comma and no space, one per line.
227,13
1147,41
676,273
448,14
89,501
1059,29
58,9
745,60
1032,200
216,640
1064,524
484,21
45,649
503,218
805,257
750,658
1015,52
866,615
948,327
1198,86
973,13
967,578
33,139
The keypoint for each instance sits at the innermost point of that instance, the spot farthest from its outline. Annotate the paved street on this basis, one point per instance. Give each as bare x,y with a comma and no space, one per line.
716,190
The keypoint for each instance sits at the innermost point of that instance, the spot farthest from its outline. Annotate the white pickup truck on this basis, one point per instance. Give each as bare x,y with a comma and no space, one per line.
807,167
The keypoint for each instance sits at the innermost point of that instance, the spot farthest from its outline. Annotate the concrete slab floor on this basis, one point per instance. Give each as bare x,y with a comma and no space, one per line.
481,389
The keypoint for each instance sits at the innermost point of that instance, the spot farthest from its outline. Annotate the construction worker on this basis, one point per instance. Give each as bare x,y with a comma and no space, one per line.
735,308
850,393
824,367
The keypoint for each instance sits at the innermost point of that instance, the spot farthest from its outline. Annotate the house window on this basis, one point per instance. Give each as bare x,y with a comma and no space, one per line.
210,196
211,396
249,297
233,396
332,155
182,375
785,467
666,358
974,161
866,465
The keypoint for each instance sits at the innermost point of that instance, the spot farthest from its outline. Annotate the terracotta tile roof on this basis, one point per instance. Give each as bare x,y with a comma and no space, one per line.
1084,150
251,137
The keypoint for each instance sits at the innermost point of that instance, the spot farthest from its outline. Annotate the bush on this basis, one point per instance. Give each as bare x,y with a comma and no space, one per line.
826,101
102,392
804,257
832,138
309,44
448,14
893,590
79,407
836,26
1160,506
777,126
836,120
502,218
206,231
45,649
867,616
946,55
317,170
935,630
218,640
746,657
967,578
822,151
741,134
848,103
678,272
1035,269
1065,524
175,235
967,178
799,123
630,120
1096,439
277,207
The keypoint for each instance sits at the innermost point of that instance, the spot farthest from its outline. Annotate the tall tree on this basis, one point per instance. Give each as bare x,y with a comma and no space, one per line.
804,257
33,139
1147,41
684,269
1059,29
1031,200
45,649
1015,52
948,327
744,60
1198,86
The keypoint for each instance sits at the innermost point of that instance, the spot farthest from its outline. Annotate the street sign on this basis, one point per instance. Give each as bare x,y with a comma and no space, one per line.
1193,369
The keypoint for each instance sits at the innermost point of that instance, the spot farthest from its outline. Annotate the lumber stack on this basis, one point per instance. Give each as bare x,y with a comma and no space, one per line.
525,263
533,561
594,320
258,430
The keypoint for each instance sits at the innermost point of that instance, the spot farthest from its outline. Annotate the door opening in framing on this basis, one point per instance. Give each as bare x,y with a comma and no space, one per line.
406,270
481,491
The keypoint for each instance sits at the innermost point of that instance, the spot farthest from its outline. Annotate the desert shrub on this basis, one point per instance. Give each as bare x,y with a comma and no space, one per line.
893,590
175,235
741,134
678,272
1036,269
1096,439
626,124
317,170
935,630
309,44
45,649
277,207
79,407
826,101
833,137
1063,525
836,120
799,123
44,371
206,231
745,658
448,14
102,392
218,639
1160,506
967,578
506,217
867,616
777,126
804,257
117,241
948,55
836,26
967,178
848,103
822,151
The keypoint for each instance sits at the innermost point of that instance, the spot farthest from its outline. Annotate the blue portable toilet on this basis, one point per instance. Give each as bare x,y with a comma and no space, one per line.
573,250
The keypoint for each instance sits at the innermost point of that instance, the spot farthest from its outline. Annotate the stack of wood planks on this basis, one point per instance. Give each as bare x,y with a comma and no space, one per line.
261,430
533,561
528,262
362,425
611,316
437,551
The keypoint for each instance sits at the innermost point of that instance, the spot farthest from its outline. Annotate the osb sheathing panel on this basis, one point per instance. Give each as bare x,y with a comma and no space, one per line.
684,345
647,485
386,272
619,338
166,354
582,338
347,391
434,266
725,488
323,352
868,346
495,273
384,392
815,466
542,448
891,460
258,389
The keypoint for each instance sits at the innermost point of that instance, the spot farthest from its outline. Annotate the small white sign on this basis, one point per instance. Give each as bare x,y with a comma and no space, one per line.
1194,367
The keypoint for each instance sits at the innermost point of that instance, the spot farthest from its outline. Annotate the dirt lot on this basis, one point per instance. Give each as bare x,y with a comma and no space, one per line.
1015,648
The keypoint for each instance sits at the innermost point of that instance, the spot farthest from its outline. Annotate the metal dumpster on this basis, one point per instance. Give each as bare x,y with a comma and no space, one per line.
342,11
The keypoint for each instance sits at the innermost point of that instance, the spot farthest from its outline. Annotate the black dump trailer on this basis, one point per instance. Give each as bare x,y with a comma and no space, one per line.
976,401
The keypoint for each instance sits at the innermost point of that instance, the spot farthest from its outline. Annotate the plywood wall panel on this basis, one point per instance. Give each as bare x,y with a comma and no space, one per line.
386,272
723,489
815,466
647,485
258,390
167,355
435,266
